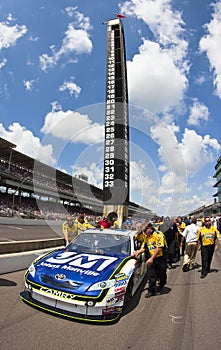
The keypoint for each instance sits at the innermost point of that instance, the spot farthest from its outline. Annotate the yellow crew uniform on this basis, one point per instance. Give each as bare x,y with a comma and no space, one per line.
82,226
207,238
156,239
69,231
208,235
157,271
139,239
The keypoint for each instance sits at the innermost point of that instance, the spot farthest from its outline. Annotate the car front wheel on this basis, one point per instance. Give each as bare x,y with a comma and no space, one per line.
128,293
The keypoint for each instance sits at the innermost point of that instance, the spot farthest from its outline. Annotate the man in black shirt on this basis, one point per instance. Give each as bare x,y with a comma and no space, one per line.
169,228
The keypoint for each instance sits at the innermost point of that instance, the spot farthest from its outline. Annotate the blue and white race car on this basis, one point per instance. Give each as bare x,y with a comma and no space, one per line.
91,279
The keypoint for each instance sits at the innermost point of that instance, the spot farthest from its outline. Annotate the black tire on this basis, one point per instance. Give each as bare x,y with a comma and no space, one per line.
128,293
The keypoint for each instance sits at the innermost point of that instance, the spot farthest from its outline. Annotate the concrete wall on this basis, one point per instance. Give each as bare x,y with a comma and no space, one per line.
24,246
19,261
15,256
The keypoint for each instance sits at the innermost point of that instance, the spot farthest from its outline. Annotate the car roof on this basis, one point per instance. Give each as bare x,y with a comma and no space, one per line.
112,231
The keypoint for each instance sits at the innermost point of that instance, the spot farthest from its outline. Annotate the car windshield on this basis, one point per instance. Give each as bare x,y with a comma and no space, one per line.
99,243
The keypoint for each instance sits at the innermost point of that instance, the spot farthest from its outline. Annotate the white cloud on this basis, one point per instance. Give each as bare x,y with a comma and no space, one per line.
93,171
9,35
73,126
157,75
70,10
27,143
76,41
10,18
165,23
33,39
71,86
198,150
56,106
210,182
169,152
198,112
211,45
80,20
28,84
144,183
47,61
180,160
200,80
149,79
3,63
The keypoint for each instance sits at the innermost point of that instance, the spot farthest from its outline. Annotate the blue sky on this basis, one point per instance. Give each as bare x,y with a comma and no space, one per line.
52,92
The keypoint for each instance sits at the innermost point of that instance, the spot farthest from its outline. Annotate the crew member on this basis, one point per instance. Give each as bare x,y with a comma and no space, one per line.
82,223
208,241
190,235
155,245
181,227
69,229
170,231
139,235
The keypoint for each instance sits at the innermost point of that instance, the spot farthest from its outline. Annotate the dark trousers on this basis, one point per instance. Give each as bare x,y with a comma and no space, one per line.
171,251
206,255
157,271
181,251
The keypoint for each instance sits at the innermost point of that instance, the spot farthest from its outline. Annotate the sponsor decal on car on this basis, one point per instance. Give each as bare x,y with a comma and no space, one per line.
111,300
114,300
84,261
120,283
119,289
57,293
52,266
112,310
121,276
81,271
108,311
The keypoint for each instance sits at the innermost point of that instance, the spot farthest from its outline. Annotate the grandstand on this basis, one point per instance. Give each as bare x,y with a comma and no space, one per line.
32,189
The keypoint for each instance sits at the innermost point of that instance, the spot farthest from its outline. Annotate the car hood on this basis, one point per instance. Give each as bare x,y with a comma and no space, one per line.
77,271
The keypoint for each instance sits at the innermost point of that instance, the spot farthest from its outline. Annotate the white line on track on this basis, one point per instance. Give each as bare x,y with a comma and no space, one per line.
16,228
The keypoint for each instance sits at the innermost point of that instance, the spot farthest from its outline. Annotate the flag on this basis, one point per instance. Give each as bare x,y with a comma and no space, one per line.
119,15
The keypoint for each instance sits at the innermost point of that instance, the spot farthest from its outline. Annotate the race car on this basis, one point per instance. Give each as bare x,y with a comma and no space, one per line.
92,279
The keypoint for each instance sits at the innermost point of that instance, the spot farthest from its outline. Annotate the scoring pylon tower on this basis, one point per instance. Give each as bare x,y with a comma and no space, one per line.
116,150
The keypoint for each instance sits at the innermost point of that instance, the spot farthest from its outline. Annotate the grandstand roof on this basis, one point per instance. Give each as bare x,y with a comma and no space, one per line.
4,144
9,154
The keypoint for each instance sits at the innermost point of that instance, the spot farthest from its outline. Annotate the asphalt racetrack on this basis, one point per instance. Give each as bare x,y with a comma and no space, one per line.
185,317
13,233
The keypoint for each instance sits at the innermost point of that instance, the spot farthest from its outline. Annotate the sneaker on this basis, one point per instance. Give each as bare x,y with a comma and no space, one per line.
150,294
185,267
203,275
